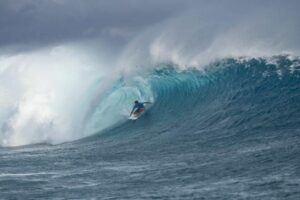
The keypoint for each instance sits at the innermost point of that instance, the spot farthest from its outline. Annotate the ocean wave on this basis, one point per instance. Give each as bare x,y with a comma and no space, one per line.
234,93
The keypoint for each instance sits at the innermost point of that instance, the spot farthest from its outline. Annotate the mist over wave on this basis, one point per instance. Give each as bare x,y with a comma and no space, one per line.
202,35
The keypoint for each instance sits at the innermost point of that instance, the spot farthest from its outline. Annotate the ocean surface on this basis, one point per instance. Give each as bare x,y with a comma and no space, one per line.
230,130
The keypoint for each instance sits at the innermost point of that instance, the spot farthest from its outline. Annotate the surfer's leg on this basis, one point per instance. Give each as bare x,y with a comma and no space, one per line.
137,111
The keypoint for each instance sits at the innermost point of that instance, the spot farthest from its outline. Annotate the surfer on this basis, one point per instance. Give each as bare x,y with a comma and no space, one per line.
138,107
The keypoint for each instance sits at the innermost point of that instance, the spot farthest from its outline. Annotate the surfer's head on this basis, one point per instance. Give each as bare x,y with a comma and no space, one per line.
136,101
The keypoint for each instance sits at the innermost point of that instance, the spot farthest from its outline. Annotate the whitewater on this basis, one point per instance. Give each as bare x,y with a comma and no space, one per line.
224,121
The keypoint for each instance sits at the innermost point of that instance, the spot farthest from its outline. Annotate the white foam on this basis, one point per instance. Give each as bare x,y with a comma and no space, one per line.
46,95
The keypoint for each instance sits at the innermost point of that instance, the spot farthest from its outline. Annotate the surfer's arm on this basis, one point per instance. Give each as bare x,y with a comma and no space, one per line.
147,102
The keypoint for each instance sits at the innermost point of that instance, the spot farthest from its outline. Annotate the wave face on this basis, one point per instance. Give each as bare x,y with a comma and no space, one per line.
229,97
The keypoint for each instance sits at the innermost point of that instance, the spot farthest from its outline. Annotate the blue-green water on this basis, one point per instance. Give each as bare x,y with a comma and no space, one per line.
230,131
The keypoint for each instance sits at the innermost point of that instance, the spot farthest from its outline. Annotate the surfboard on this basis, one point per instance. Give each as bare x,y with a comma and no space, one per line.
135,116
